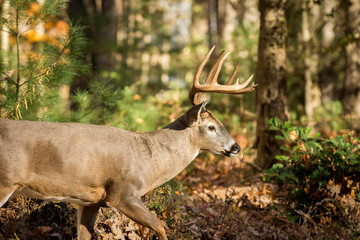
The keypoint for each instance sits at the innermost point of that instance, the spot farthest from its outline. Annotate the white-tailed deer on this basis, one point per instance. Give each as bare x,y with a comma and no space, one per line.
95,166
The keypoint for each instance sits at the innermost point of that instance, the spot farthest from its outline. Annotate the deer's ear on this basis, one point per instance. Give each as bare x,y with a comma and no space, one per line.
193,114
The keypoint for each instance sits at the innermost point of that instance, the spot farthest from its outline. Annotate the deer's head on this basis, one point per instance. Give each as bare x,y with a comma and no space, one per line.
212,133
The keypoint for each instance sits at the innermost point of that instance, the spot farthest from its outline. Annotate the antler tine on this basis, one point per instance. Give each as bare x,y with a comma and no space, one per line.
229,82
211,84
194,95
201,67
210,77
221,62
244,84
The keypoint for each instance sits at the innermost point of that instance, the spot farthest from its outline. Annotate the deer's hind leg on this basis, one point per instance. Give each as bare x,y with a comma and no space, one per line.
85,221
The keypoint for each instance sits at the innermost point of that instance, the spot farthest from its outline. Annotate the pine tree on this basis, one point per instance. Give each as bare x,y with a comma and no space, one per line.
40,63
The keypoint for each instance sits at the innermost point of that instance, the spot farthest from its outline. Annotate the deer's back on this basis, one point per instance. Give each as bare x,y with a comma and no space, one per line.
70,154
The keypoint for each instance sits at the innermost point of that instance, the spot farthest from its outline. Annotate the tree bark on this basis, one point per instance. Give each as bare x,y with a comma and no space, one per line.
78,14
351,99
106,36
5,5
4,34
220,21
327,84
211,22
126,31
312,90
270,75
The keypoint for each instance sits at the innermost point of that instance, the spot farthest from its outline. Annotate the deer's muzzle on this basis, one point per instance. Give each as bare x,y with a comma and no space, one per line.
234,150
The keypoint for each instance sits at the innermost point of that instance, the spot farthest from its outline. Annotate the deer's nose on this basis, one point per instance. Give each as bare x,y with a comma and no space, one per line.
235,148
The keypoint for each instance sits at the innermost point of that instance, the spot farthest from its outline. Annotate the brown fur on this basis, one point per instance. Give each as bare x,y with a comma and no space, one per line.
94,165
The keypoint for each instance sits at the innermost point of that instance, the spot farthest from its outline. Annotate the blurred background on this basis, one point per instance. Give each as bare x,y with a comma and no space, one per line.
116,62
131,63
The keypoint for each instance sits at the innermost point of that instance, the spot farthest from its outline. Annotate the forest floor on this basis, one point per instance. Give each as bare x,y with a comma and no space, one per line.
214,198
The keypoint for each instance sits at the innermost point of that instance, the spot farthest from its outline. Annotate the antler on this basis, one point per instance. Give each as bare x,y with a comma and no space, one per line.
211,84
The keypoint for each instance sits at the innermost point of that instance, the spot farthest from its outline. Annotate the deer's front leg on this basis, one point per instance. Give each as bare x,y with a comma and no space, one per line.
85,222
133,208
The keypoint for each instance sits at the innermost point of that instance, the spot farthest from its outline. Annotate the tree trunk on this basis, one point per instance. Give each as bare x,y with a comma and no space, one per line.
106,36
327,84
5,34
220,21
5,5
126,31
351,99
312,90
270,75
79,14
211,22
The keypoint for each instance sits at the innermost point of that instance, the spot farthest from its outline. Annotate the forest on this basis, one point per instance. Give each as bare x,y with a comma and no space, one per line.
130,64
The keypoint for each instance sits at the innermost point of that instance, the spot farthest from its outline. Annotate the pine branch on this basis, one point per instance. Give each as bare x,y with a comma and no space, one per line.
33,70
56,59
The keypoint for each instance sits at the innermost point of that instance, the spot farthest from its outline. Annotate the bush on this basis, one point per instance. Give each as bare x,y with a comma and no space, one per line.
320,170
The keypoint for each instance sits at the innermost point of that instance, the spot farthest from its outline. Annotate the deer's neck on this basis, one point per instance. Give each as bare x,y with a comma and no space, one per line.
174,149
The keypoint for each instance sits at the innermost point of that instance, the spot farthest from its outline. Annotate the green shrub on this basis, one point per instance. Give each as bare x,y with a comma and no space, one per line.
317,168
164,201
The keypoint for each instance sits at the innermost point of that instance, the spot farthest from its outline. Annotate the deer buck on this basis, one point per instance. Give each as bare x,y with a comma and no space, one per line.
95,166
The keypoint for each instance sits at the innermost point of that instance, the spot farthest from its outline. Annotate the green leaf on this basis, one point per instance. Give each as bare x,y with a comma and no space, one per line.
290,129
285,134
277,166
317,135
307,130
274,122
293,177
286,125
278,137
281,157
282,178
273,128
318,145
315,174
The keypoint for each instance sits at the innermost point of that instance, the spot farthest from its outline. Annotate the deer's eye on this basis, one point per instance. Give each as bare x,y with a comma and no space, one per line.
211,128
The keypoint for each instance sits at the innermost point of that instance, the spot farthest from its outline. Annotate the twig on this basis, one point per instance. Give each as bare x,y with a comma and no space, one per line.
307,217
17,56
253,165
227,197
33,70
56,59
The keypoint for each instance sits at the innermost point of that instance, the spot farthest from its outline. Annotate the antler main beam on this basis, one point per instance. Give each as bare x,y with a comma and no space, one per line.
211,84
